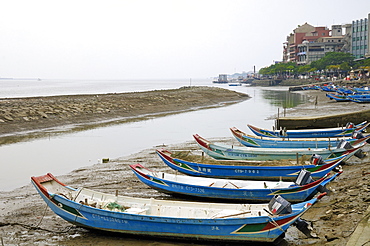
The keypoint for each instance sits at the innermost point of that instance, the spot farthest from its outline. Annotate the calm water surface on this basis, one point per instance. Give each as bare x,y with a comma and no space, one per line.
48,87
62,153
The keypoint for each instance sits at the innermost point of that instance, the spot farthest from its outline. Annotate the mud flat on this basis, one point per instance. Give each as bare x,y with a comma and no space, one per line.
22,116
26,220
322,112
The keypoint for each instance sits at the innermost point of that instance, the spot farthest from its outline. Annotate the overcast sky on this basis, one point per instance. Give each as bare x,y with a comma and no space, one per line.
154,39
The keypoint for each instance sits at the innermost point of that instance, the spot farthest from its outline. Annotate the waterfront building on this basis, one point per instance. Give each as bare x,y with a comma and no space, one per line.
308,43
310,51
360,40
305,44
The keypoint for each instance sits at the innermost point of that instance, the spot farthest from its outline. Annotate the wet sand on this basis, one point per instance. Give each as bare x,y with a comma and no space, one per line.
320,105
26,220
20,117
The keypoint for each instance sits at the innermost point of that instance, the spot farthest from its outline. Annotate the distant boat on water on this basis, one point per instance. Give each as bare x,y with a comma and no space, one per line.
235,84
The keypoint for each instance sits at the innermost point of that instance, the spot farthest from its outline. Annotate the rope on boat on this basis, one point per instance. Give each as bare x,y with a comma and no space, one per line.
43,215
272,221
275,224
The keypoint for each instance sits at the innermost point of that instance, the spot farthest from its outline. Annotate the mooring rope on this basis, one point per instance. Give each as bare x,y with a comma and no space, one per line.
43,215
34,227
37,227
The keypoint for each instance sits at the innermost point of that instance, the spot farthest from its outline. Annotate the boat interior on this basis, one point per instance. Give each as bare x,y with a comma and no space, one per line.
219,183
153,207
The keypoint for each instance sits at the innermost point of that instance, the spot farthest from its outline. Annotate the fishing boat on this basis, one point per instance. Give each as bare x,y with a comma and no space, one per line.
302,189
363,90
167,218
235,84
362,98
311,87
328,88
226,152
345,90
266,142
311,133
250,171
338,97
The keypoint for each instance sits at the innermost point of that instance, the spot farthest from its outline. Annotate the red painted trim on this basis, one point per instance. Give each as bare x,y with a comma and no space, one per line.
363,127
307,186
361,140
134,168
166,155
201,141
43,179
237,132
270,225
321,195
254,128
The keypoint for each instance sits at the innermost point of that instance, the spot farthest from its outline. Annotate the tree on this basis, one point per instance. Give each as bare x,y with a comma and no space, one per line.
279,69
334,61
304,69
362,63
344,66
333,58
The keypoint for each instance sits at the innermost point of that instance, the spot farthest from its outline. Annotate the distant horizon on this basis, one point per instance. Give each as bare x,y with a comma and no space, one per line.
149,78
100,79
40,78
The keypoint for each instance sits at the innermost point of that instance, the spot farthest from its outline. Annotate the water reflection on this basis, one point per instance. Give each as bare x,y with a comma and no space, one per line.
60,153
284,98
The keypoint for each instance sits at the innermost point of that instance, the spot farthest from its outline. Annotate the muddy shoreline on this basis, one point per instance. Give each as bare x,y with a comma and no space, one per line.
26,219
21,117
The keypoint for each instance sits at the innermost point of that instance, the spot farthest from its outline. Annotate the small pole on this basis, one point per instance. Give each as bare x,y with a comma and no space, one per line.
297,158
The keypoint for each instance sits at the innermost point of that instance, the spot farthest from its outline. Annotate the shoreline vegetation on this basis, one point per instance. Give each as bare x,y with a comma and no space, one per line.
295,82
26,219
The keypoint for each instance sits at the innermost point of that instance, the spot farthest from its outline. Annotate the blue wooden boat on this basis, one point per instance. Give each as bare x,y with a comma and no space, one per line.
167,218
251,171
265,142
363,90
311,87
345,90
226,152
311,133
362,98
243,190
338,97
328,88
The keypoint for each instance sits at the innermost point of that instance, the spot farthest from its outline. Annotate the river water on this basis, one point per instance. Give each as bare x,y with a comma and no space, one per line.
62,153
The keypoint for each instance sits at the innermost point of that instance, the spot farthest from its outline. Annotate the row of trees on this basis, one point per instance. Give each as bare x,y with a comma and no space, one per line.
333,62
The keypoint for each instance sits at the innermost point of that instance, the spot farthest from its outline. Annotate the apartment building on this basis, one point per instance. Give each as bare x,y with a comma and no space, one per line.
299,46
315,50
308,43
360,41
